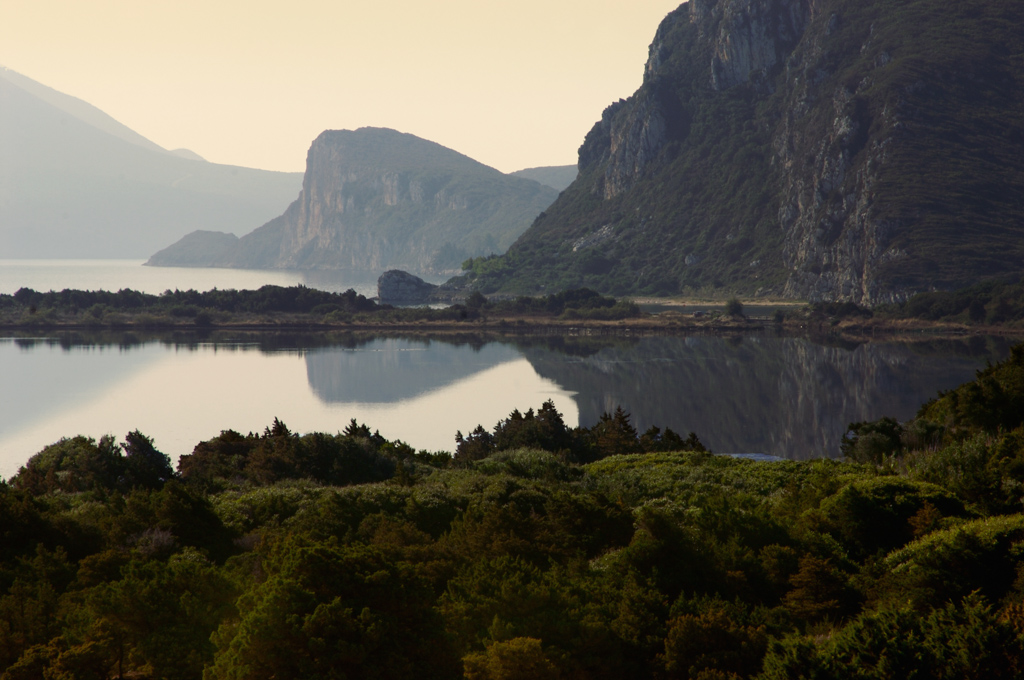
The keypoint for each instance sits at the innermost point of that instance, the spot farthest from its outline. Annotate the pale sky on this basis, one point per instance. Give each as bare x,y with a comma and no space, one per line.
252,83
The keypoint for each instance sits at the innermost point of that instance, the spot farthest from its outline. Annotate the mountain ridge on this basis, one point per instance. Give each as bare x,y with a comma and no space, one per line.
376,199
70,189
558,177
824,149
80,109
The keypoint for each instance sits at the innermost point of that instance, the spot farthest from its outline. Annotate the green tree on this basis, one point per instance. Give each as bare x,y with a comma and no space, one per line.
711,641
72,465
871,442
157,618
477,445
544,429
963,641
331,612
820,590
143,465
612,435
520,658
475,300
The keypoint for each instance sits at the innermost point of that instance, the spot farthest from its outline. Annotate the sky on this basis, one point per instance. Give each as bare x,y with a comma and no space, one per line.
252,83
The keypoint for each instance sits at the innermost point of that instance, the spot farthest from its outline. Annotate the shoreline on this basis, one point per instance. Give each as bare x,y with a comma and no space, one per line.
661,324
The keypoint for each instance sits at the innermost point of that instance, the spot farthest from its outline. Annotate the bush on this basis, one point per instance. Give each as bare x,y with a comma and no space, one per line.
871,442
733,307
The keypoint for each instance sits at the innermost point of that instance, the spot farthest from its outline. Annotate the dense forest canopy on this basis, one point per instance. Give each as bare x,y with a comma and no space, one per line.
535,550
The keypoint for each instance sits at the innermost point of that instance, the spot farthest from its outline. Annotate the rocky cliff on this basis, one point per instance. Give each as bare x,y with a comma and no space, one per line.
855,150
375,199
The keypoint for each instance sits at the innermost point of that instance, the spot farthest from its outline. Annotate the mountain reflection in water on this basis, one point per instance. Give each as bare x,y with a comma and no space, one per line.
789,397
386,370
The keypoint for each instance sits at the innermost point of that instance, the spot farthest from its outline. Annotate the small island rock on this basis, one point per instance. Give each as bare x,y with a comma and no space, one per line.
396,287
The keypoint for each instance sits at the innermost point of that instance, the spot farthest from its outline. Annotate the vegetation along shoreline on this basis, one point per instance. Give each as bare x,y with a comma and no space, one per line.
990,309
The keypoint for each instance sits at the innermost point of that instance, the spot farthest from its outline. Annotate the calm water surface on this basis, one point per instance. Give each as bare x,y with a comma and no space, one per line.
789,397
46,275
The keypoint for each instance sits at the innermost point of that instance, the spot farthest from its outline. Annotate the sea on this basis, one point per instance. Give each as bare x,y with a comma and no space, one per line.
113,275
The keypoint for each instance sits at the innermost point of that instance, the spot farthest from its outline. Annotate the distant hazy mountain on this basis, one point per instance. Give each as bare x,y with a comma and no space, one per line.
558,177
76,183
187,153
375,199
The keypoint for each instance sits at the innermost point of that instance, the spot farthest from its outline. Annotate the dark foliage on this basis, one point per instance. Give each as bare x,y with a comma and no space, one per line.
294,299
83,464
577,303
840,310
997,301
355,456
613,434
733,307
297,304
287,555
871,442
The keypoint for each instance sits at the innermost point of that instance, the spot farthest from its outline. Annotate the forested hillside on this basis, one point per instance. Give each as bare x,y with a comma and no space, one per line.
536,550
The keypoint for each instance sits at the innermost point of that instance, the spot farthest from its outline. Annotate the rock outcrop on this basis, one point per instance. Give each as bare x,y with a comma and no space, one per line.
816,149
395,287
374,199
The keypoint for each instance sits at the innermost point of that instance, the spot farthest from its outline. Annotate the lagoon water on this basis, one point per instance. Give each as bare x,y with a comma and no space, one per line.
182,393
788,397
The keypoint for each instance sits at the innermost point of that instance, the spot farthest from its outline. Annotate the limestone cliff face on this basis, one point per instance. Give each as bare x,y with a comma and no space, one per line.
749,38
817,149
745,39
375,199
833,241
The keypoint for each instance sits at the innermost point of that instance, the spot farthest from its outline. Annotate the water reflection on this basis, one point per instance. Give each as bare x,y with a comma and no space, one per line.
187,389
784,396
43,377
387,370
788,397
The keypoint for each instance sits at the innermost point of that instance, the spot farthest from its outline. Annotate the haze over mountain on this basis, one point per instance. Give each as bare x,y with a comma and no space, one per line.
558,177
856,150
75,183
376,199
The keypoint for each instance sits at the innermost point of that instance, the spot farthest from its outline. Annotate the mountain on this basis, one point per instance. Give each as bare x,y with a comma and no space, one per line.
558,177
857,150
75,183
375,199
